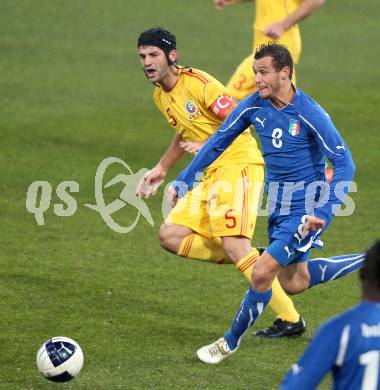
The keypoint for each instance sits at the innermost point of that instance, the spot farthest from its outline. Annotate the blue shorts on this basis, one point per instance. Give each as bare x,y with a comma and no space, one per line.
285,254
286,243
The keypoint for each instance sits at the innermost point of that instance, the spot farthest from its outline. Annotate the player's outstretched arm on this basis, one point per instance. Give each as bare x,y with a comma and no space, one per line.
150,182
172,154
338,153
305,9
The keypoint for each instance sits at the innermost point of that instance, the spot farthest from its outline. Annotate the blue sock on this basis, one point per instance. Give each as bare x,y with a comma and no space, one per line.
323,270
250,309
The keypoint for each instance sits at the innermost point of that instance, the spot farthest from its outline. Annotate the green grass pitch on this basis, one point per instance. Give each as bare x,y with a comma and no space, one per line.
71,94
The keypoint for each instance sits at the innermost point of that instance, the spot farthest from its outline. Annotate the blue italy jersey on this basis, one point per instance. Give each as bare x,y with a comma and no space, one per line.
348,346
294,141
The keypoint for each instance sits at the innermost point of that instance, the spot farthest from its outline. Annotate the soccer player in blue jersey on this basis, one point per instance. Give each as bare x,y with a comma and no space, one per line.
348,345
296,134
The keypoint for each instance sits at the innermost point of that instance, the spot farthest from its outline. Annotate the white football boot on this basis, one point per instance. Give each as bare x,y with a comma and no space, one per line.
216,352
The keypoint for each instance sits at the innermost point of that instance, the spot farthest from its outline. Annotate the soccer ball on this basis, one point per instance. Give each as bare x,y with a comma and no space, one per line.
60,359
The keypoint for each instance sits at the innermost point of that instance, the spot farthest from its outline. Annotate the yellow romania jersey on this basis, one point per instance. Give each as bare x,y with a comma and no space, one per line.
188,108
272,11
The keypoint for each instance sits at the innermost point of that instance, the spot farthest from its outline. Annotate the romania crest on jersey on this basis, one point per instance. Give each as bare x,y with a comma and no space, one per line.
192,109
294,127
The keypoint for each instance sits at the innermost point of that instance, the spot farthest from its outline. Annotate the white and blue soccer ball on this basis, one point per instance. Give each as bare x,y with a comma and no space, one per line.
60,359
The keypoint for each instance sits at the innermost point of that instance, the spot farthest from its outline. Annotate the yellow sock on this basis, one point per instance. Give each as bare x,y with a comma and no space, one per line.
245,265
202,248
280,303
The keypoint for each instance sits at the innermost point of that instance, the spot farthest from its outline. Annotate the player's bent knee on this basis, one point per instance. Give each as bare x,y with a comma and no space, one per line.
260,278
166,239
171,236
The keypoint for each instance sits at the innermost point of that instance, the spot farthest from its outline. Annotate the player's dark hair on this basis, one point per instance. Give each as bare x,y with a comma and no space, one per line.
280,55
159,37
371,269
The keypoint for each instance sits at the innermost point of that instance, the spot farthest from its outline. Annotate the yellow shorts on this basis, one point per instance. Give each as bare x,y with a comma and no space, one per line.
224,204
242,82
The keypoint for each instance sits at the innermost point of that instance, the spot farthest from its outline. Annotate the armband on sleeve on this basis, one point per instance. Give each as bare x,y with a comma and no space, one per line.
221,105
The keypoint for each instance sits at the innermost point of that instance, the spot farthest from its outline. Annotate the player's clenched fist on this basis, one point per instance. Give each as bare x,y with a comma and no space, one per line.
150,182
172,196
274,30
191,147
219,4
312,224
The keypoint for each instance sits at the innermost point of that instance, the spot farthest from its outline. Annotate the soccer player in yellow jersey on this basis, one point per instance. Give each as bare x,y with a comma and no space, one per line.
215,221
275,20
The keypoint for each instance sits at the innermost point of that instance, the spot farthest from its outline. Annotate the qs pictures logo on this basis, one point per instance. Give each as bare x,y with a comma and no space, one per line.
39,195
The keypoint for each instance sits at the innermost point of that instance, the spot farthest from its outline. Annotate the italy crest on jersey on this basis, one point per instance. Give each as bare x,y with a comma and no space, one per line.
294,127
192,109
